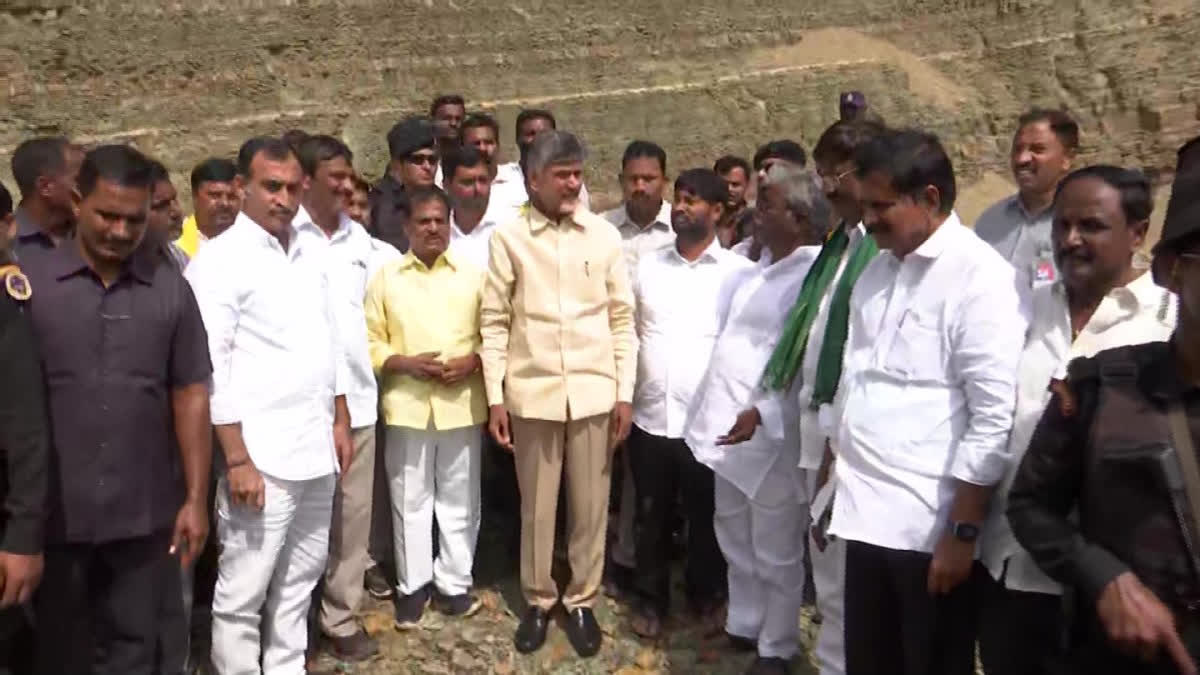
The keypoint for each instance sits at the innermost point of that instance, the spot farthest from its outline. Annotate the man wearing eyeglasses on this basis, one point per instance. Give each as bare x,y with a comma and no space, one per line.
414,162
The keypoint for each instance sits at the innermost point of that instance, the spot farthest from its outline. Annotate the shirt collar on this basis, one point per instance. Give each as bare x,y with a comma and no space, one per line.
662,221
304,221
448,257
712,253
538,220
66,261
937,242
1136,296
802,255
28,229
456,231
1016,205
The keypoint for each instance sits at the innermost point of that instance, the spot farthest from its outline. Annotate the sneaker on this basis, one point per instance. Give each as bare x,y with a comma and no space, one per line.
462,605
410,608
376,583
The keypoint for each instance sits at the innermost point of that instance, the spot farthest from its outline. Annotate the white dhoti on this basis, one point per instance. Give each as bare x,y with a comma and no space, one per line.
270,563
763,539
829,582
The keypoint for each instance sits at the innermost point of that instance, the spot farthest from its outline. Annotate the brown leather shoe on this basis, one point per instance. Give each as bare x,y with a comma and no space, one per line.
356,647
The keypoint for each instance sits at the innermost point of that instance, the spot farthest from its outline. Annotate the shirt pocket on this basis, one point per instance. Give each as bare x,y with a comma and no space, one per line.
919,352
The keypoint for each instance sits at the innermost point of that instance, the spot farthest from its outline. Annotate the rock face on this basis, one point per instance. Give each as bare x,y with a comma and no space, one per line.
185,80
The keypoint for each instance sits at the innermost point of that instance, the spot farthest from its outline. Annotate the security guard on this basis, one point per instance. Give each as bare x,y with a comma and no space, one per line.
1117,444
24,450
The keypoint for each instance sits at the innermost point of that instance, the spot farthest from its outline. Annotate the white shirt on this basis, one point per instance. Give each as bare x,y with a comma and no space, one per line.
277,361
677,326
812,432
753,306
636,240
474,245
1133,314
928,387
509,194
354,258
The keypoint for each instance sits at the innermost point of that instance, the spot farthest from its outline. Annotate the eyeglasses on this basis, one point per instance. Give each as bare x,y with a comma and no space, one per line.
430,159
834,181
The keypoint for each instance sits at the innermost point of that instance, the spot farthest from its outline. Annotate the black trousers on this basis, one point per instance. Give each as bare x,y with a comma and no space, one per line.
16,641
895,627
98,606
664,470
1019,633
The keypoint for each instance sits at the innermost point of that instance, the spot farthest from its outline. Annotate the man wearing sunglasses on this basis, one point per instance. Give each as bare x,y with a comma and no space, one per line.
414,162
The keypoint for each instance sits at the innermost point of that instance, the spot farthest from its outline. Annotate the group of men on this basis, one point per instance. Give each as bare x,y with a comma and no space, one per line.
951,428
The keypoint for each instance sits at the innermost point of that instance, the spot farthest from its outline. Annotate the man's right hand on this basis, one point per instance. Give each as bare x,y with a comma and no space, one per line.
246,485
1137,622
499,428
422,366
19,576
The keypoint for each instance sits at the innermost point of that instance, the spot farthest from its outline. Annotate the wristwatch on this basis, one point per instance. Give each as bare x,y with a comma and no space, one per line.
963,531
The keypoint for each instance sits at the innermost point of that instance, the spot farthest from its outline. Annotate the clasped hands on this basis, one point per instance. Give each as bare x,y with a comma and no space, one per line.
428,367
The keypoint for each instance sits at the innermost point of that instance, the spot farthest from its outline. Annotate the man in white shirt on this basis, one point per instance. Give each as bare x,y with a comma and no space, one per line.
482,132
759,494
1043,150
352,259
508,188
677,288
1101,300
922,413
809,358
469,187
280,412
644,221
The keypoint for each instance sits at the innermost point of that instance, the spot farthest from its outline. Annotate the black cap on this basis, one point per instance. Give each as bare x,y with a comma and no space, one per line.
409,136
1183,210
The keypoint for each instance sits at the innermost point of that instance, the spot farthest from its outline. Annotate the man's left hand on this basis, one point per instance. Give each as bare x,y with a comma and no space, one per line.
951,564
343,444
457,370
743,428
619,423
191,531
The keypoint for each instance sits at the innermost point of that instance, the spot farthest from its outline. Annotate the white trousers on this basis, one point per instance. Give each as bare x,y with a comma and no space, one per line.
762,540
829,582
434,473
269,564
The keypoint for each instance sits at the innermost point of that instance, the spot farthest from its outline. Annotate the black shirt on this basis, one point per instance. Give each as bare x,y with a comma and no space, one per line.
32,245
111,357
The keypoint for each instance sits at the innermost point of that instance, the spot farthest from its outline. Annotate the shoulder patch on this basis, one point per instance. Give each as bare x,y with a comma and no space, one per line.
16,284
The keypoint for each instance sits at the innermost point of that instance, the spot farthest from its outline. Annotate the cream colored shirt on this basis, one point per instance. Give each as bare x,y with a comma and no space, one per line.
557,318
412,309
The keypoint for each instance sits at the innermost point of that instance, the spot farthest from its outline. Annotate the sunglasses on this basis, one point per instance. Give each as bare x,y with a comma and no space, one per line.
430,159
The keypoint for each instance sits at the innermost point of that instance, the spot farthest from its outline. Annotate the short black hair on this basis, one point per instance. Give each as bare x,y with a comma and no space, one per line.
213,170
913,160
784,149
294,137
842,139
158,172
1061,123
322,148
274,148
705,184
445,99
645,150
461,156
530,114
1137,200
728,163
118,164
6,202
478,120
424,193
38,157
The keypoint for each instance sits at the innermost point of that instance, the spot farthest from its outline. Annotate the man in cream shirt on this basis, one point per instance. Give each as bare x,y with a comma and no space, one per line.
1101,300
559,354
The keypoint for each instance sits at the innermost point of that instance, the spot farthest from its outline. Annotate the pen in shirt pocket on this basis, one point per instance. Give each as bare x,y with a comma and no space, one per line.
586,271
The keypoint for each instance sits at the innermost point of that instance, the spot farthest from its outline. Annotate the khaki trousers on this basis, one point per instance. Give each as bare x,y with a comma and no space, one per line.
542,448
348,537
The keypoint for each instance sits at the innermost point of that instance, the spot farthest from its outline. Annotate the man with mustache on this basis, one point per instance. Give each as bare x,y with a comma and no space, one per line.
125,356
644,220
216,201
511,190
559,354
354,259
677,289
1101,300
165,218
469,187
736,220
481,131
447,113
423,329
1043,150
280,411
412,147
787,153
45,170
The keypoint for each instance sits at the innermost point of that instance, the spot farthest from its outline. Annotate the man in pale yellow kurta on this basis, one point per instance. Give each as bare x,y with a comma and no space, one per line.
422,316
559,354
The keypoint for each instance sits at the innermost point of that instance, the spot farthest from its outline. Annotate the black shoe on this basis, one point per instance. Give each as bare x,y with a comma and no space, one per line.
773,665
618,579
376,583
583,632
410,608
531,634
741,644
463,605
357,647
